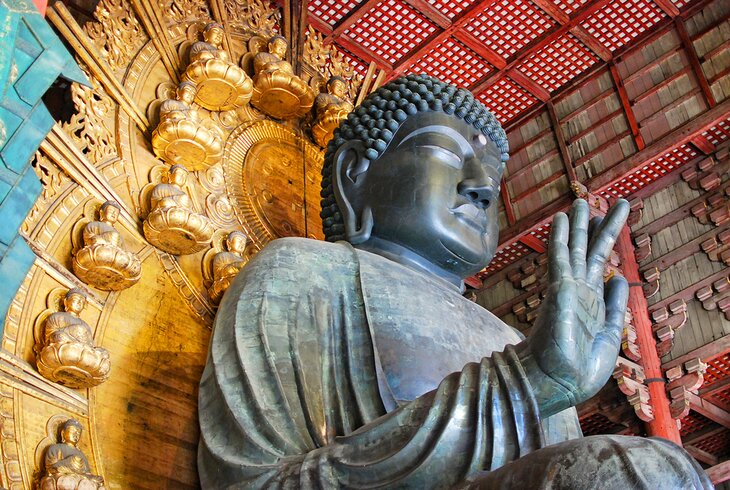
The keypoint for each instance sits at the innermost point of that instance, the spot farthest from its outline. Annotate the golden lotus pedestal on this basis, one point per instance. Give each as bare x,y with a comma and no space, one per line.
177,230
221,86
187,143
68,482
74,364
281,95
107,268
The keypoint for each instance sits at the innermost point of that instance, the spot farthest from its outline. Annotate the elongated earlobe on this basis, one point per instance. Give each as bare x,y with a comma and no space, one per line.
350,167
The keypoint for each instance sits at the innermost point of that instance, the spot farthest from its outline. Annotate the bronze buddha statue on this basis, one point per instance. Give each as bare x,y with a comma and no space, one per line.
221,85
103,262
182,136
330,108
277,91
172,225
66,353
359,364
65,466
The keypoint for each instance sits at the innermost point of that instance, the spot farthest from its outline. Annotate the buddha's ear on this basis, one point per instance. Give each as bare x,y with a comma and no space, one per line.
350,168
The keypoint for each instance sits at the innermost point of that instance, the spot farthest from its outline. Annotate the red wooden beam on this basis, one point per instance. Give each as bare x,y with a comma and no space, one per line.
701,456
719,473
508,209
353,16
667,7
709,410
706,353
480,48
703,144
628,111
663,424
567,161
534,243
694,61
594,44
431,12
535,88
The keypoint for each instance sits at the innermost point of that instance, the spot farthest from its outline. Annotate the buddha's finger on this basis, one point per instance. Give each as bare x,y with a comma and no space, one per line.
605,237
578,245
593,226
558,256
607,342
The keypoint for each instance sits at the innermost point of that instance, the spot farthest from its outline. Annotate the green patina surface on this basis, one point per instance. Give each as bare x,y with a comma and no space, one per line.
31,58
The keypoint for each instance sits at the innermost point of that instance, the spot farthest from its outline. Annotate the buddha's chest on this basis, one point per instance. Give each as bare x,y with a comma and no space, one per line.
422,333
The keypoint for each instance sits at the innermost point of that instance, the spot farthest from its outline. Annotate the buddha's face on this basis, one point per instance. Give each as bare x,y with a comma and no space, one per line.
178,176
278,47
236,242
74,303
338,88
186,94
434,191
109,213
71,434
214,36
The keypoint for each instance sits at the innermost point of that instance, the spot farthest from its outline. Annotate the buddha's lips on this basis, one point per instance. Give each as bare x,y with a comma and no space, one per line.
472,215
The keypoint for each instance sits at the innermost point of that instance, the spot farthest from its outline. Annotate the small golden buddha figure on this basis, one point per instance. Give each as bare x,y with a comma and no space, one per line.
67,354
103,262
226,265
173,225
182,136
65,466
277,90
330,108
221,85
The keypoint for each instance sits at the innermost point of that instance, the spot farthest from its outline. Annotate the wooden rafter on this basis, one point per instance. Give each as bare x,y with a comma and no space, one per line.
694,61
626,105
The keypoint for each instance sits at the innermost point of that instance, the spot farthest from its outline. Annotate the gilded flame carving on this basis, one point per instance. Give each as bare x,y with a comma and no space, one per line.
116,33
330,62
103,262
65,466
278,92
184,10
182,136
252,16
66,353
226,264
220,84
172,225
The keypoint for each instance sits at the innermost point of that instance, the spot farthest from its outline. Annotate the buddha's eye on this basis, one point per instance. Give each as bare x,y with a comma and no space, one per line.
446,156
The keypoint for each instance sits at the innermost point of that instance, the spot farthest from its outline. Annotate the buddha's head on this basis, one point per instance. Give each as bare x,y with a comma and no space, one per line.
75,301
415,170
186,92
71,432
278,46
213,33
236,242
337,86
178,175
109,212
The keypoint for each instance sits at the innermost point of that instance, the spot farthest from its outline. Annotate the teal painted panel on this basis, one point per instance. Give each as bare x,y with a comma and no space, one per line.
16,205
14,266
21,147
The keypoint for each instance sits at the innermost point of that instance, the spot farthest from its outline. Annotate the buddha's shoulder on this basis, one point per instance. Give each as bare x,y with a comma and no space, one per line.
307,256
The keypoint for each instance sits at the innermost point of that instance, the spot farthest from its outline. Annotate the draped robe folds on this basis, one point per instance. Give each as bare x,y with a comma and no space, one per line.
331,367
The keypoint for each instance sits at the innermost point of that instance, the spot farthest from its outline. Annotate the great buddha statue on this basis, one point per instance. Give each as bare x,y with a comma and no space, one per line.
172,224
277,91
357,362
65,466
330,109
221,85
182,136
66,353
103,262
227,264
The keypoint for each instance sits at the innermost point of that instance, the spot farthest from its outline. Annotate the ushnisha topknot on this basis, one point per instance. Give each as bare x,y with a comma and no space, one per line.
380,115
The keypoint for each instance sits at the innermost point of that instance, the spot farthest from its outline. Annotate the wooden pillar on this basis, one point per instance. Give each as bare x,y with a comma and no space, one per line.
663,424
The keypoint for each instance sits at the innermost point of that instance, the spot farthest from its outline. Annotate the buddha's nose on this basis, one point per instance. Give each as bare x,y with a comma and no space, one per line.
477,191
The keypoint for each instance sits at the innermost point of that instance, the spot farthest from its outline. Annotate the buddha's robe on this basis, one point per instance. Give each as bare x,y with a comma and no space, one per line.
331,367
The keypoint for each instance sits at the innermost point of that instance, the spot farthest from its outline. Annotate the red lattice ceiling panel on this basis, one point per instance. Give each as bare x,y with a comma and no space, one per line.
453,62
621,21
331,11
559,62
506,256
717,369
598,423
721,399
719,133
391,29
508,25
694,422
569,6
506,99
717,445
651,172
542,232
681,3
451,8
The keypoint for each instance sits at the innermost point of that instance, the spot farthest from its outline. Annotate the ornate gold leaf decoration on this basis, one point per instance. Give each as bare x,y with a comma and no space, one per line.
330,62
89,127
184,10
252,16
116,33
